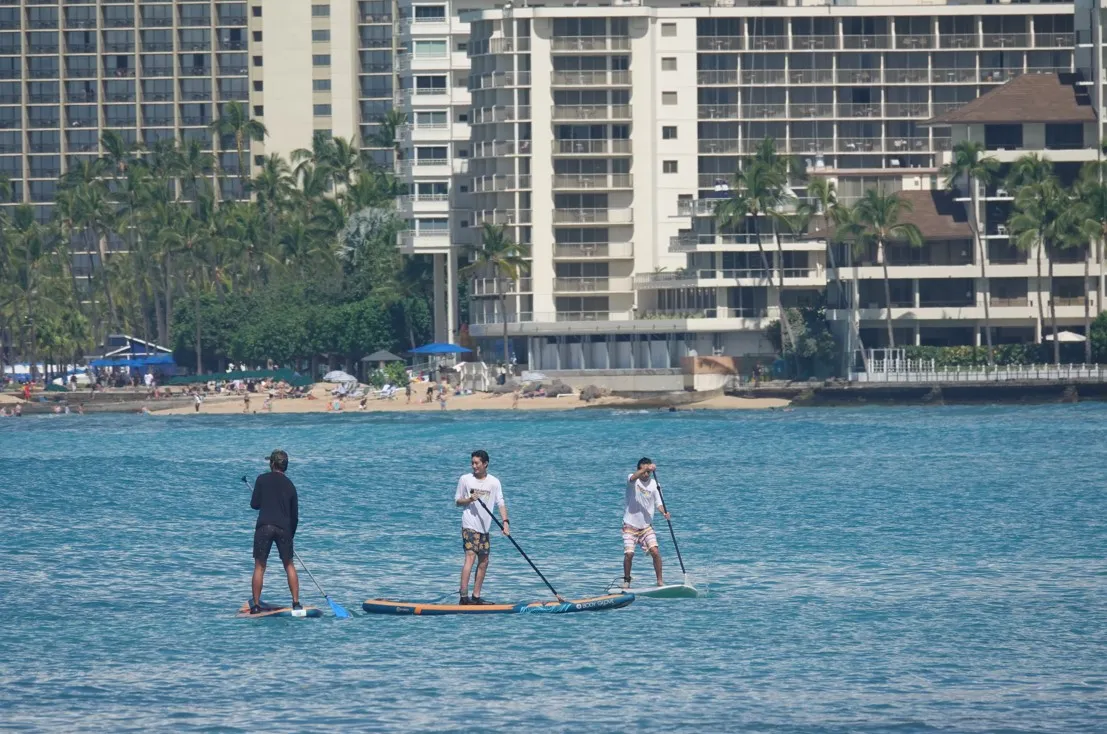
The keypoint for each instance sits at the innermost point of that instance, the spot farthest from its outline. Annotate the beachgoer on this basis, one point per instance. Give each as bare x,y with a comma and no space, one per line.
407,391
515,399
18,411
246,403
430,393
278,514
642,499
26,391
197,400
475,522
80,409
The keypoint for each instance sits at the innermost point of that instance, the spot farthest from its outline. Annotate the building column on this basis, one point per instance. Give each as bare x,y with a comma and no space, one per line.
440,315
915,292
918,335
451,298
976,335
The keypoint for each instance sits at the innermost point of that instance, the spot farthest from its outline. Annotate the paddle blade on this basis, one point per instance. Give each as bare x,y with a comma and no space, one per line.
339,611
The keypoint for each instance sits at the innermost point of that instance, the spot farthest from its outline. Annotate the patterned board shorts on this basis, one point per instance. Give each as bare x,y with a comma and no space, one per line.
476,542
644,537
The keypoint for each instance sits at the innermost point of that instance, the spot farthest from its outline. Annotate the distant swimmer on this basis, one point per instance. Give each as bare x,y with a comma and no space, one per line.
473,489
278,514
641,500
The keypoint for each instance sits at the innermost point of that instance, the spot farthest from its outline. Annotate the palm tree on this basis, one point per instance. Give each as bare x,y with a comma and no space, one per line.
501,258
1091,189
387,132
970,163
234,120
879,216
1041,220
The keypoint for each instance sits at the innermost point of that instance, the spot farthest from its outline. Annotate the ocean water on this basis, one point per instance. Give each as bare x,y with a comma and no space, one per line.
929,570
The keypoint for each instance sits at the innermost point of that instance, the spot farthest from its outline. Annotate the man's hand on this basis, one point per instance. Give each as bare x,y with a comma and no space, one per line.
667,516
507,528
651,468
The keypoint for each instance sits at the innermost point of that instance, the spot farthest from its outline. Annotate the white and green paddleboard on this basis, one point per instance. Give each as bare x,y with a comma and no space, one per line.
684,590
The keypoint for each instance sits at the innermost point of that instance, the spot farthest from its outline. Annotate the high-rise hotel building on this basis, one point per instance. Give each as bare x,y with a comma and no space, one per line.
607,133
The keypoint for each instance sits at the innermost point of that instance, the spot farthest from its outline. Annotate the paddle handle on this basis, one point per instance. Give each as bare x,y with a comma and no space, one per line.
518,548
661,495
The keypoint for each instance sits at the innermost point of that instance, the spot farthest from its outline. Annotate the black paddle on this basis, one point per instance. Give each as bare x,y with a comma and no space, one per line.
671,533
559,597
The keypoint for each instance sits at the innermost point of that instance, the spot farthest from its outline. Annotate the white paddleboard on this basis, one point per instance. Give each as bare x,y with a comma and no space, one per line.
668,591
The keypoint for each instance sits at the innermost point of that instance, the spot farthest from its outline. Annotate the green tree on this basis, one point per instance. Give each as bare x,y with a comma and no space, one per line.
234,121
971,165
499,257
879,216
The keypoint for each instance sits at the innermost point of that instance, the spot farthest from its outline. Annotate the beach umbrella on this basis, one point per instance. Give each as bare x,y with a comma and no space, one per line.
1066,337
382,355
339,376
440,348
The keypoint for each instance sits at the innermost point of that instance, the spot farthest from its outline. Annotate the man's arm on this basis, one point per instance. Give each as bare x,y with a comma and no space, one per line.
503,510
295,511
255,503
462,496
643,472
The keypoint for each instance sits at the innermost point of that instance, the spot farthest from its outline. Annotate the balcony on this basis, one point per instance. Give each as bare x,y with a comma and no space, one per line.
719,76
228,45
589,79
156,22
44,73
196,20
597,284
1054,40
953,76
859,76
807,110
958,40
717,112
157,71
1006,40
592,147
79,23
858,110
768,43
858,145
765,111
499,286
906,76
907,109
719,43
591,112
232,20
865,42
499,80
487,184
42,48
43,98
81,48
604,181
497,217
765,76
240,95
488,149
593,216
913,41
596,250
814,43
727,146
589,43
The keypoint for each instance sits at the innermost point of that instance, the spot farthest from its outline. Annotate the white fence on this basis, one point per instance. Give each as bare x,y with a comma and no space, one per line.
923,371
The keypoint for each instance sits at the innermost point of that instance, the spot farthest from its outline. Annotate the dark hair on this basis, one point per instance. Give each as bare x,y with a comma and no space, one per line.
480,454
643,461
278,460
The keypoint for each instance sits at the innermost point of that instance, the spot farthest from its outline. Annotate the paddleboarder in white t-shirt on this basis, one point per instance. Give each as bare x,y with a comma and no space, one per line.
642,499
476,521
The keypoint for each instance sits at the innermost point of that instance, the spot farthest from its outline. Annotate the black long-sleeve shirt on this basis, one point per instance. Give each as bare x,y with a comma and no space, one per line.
275,498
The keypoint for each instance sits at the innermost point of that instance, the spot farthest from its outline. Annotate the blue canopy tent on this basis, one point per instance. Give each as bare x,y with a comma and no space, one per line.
440,348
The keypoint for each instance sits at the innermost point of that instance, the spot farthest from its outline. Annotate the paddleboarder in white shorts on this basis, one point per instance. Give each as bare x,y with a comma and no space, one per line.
642,498
476,521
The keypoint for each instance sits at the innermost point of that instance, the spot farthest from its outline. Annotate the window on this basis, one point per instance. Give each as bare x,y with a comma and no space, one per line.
668,98
1002,137
320,59
430,154
669,132
321,110
320,85
259,111
257,61
429,49
668,29
435,118
668,63
320,36
1064,136
430,13
432,226
668,166
257,11
321,11
259,86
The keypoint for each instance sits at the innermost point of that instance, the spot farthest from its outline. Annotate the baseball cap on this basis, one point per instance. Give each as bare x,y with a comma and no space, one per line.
277,456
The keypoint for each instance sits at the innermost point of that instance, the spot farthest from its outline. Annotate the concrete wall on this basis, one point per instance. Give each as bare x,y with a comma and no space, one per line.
286,60
620,380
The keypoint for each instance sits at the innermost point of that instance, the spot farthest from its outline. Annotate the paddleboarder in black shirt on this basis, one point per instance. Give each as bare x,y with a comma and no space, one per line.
278,513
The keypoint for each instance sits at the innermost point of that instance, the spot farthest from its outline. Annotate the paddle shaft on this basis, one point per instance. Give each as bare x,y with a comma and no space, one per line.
521,551
664,504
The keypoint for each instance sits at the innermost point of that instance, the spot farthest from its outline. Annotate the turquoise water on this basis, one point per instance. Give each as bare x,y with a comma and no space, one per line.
904,570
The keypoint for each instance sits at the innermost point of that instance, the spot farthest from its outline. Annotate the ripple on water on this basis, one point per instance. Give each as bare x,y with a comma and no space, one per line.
869,570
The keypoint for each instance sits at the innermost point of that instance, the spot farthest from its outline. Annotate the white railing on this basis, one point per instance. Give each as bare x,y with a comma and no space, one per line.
917,371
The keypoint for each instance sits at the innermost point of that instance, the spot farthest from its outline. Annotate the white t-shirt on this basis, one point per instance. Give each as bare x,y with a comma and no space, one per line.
641,501
488,489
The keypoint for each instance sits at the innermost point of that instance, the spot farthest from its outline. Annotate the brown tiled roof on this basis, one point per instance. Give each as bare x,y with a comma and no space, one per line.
1026,98
936,213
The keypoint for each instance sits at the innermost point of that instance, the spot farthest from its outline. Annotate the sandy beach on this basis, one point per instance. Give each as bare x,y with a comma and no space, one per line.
323,403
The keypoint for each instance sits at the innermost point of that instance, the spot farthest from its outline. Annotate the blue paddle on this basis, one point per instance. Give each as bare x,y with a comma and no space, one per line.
339,611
